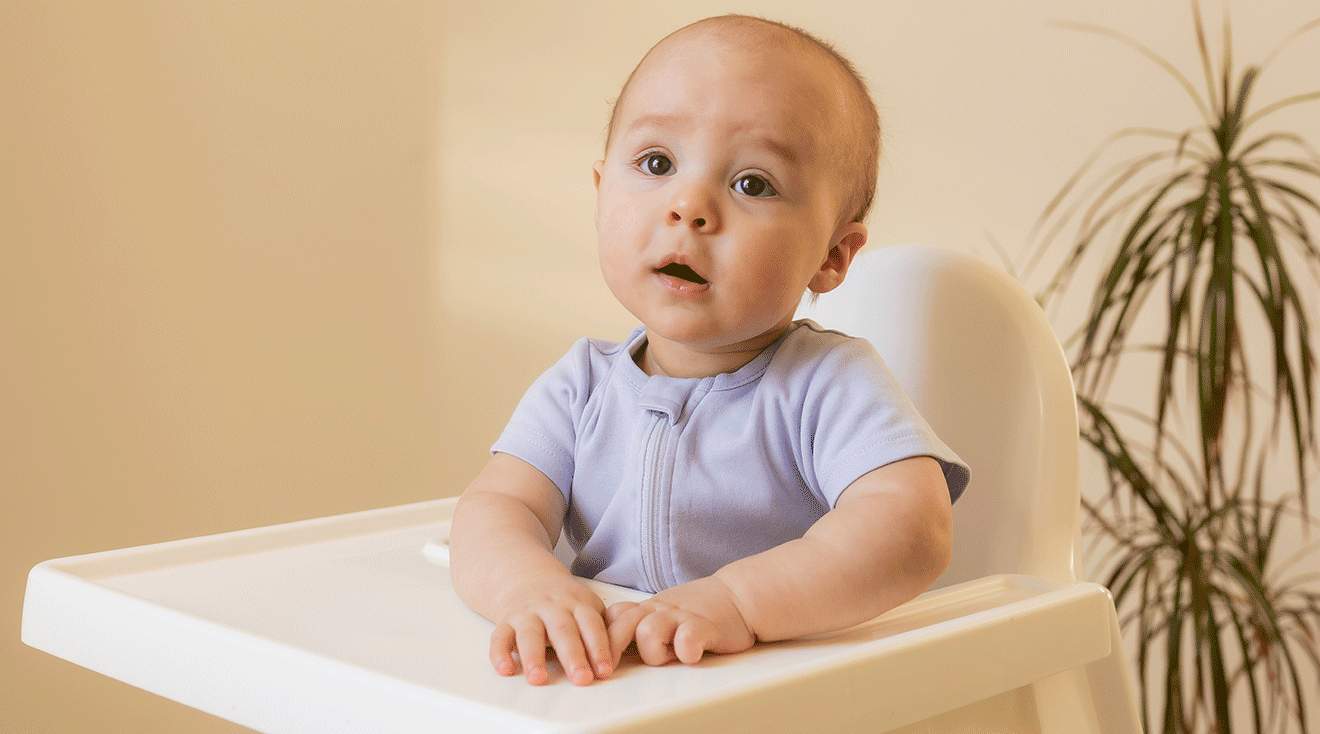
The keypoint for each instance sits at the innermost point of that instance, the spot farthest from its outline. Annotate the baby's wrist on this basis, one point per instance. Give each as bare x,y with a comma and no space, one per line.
512,596
738,606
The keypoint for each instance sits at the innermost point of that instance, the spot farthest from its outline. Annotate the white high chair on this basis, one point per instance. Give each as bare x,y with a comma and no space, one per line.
348,624
978,357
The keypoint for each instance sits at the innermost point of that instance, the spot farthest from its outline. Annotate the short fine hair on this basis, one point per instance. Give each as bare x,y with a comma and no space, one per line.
861,153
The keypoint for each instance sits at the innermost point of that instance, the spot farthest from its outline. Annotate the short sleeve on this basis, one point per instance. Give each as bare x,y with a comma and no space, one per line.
542,429
857,418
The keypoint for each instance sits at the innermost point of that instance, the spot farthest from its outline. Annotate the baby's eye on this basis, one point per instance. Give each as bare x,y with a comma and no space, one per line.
753,185
656,164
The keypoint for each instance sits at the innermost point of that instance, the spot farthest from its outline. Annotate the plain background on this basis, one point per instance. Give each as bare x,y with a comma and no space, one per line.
268,261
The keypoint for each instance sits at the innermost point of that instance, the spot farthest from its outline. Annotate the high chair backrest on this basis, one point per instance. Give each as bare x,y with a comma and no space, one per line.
978,357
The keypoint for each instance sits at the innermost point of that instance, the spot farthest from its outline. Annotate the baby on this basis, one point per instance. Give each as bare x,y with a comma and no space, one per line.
765,478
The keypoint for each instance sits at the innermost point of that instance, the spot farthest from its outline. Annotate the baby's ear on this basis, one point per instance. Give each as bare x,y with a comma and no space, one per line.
847,241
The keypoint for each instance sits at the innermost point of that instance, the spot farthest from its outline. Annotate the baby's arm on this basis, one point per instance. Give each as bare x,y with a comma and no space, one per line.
503,567
887,540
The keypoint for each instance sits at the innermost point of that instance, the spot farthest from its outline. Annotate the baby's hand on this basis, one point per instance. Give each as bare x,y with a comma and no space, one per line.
558,612
681,623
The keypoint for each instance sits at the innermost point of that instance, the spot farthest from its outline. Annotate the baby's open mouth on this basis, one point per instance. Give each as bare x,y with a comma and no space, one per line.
678,270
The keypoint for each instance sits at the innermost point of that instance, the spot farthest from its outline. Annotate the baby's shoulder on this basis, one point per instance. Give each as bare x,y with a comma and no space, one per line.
590,355
809,347
827,372
813,363
588,366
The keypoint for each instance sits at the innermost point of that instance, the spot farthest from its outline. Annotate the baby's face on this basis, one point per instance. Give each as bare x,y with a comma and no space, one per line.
717,201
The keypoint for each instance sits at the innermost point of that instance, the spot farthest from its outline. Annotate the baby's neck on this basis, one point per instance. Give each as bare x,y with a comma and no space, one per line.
660,358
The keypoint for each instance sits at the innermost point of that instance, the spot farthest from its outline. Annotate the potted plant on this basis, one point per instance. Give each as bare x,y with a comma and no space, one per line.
1208,235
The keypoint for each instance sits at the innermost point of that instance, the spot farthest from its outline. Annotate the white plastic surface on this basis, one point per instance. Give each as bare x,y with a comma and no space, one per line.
349,624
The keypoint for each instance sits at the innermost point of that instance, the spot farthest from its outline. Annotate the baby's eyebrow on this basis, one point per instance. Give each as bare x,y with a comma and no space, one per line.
654,121
660,121
787,152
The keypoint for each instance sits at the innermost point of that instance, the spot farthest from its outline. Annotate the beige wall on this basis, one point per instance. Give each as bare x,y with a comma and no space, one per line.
217,285
268,261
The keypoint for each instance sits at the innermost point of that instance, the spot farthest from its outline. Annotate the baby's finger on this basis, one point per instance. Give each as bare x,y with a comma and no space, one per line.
596,639
567,642
530,637
502,649
622,627
618,608
655,635
693,638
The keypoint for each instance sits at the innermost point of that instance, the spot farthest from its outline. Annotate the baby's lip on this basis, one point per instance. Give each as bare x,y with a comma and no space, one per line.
678,267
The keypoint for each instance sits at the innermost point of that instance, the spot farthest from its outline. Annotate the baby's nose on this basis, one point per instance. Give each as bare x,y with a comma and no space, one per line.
677,218
694,206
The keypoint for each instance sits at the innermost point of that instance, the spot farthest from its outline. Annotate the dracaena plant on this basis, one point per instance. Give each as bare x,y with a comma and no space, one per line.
1205,238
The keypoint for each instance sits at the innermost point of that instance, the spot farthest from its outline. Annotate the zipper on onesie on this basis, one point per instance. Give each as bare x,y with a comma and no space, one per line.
653,505
664,399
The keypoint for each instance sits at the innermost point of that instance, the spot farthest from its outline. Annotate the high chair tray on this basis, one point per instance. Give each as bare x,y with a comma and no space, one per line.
349,624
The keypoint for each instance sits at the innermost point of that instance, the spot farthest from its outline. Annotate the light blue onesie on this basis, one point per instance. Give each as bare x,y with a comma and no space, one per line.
667,480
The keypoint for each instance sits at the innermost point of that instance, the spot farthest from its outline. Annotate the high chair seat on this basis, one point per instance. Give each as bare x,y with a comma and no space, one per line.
349,624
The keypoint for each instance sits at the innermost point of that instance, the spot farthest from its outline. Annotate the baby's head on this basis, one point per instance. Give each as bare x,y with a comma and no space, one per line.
740,162
855,112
